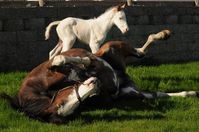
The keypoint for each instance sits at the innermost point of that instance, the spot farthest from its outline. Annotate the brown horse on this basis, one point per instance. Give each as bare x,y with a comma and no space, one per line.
53,90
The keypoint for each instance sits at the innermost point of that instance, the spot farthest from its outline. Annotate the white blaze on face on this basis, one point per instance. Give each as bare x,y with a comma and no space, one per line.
120,21
85,90
115,78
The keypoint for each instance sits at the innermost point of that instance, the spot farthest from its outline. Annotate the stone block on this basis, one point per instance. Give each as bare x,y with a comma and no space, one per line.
35,23
8,37
25,36
186,19
172,19
143,20
185,28
158,19
1,25
196,38
196,19
132,20
13,25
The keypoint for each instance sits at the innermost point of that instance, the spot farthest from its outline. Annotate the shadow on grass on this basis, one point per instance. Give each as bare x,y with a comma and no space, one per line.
123,109
152,61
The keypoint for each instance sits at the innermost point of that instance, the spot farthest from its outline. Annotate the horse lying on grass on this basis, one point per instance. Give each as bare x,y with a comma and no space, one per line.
53,90
70,29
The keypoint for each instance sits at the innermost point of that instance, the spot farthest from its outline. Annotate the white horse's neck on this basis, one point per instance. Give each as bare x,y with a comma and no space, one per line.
105,21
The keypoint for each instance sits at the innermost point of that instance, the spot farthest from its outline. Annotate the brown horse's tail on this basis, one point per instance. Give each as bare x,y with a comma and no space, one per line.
13,101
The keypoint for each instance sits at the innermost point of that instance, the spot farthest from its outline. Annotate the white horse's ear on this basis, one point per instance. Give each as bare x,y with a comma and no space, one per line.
122,6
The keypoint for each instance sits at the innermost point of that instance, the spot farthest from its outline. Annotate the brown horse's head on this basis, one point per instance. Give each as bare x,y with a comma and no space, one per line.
116,52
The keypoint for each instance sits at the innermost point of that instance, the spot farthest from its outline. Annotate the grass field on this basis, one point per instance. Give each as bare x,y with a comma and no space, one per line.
169,114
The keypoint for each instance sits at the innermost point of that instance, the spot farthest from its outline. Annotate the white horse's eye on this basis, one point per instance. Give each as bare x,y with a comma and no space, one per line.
120,18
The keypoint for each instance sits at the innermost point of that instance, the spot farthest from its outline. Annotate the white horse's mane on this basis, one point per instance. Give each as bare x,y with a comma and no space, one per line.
109,9
106,11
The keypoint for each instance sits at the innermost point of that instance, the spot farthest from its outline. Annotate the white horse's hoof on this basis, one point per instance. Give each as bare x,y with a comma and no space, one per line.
140,50
190,94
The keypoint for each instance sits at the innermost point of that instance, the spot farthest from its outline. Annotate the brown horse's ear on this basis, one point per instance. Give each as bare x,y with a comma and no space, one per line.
122,6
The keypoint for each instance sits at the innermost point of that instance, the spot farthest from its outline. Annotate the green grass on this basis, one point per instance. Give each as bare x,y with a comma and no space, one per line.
171,114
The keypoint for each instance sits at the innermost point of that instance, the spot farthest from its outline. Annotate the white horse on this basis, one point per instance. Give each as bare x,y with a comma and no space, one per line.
92,32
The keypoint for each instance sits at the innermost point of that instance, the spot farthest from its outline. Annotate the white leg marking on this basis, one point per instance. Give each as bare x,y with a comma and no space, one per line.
61,60
87,88
180,94
184,94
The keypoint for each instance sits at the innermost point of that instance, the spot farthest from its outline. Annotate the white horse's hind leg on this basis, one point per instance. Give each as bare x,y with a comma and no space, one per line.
55,51
68,43
66,35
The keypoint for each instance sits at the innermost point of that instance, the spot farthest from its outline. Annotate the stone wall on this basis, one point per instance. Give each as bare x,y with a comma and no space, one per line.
22,44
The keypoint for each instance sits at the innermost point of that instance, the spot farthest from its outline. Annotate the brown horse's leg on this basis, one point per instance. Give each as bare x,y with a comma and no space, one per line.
152,38
162,94
68,99
60,60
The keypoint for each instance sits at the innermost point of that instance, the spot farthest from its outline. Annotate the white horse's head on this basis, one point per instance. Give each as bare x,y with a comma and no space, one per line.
119,18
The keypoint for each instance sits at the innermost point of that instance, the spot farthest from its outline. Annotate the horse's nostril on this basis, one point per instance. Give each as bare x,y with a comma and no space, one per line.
94,81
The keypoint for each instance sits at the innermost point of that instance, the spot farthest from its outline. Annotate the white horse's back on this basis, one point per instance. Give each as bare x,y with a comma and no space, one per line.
82,30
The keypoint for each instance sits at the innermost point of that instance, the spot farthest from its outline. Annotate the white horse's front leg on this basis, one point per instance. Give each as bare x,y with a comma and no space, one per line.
94,47
61,60
68,43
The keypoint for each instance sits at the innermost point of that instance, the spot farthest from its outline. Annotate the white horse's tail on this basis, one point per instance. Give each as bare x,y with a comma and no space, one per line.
48,28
